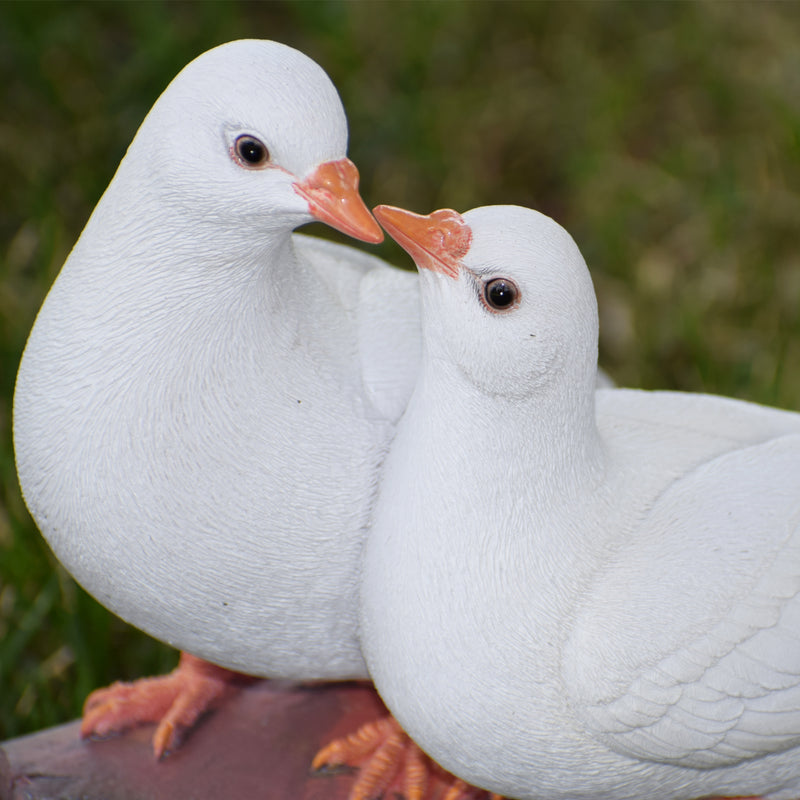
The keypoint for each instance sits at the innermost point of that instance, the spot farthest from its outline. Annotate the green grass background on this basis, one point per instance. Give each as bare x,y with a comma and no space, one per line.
664,136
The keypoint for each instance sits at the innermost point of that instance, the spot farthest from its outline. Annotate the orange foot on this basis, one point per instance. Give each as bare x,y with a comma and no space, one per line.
384,756
175,701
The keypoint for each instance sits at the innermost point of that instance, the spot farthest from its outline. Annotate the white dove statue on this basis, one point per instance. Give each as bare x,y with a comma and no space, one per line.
576,594
205,397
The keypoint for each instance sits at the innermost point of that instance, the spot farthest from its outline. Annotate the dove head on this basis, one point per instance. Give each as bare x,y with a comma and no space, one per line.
252,133
506,297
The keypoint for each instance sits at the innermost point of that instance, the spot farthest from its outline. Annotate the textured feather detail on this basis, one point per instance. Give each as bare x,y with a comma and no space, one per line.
731,692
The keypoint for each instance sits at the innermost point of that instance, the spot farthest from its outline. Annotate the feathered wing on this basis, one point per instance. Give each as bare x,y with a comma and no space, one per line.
678,414
384,304
686,649
340,267
389,339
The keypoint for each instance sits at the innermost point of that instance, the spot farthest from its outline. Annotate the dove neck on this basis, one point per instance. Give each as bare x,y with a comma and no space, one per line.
547,440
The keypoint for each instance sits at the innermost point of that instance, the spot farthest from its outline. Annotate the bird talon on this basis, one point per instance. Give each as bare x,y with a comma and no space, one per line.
175,702
332,770
166,739
383,757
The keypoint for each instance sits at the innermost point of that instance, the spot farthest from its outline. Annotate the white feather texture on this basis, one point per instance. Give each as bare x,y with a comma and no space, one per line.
202,405
570,594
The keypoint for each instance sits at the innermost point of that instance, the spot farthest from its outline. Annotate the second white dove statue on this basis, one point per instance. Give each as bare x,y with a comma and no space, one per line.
205,397
570,594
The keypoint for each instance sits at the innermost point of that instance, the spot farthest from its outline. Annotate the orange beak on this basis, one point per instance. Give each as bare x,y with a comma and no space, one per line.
436,242
332,194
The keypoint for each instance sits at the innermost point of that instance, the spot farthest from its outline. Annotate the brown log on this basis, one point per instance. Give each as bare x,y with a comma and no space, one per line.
258,745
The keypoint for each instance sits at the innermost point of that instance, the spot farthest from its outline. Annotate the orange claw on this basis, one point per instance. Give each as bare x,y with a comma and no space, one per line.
384,755
174,701
461,790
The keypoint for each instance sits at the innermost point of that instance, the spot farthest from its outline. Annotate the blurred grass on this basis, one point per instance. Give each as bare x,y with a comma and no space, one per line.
664,136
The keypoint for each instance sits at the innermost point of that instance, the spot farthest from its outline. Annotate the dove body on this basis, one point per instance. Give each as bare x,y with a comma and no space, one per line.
204,400
570,594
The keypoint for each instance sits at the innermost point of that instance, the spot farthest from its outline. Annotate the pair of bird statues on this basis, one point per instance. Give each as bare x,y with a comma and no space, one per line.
289,459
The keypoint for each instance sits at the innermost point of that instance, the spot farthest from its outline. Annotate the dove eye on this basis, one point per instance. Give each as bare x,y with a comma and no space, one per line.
500,294
250,152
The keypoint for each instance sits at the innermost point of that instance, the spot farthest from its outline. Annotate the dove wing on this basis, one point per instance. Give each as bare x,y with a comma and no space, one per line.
680,413
383,302
389,338
686,649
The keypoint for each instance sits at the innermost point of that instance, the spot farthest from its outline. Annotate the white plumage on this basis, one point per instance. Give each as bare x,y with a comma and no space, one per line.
205,398
570,594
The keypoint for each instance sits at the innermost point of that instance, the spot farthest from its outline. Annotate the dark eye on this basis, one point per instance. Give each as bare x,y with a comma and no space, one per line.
501,294
250,152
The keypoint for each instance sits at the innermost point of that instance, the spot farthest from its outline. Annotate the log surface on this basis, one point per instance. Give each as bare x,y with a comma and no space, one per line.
258,745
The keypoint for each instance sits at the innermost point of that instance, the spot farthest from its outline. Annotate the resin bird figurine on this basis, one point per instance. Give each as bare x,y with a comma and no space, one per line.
569,593
205,397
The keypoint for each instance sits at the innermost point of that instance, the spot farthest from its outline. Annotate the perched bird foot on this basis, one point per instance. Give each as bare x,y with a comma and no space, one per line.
175,701
386,758
461,790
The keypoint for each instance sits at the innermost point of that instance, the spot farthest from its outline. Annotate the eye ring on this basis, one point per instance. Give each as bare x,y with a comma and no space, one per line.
500,294
250,152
